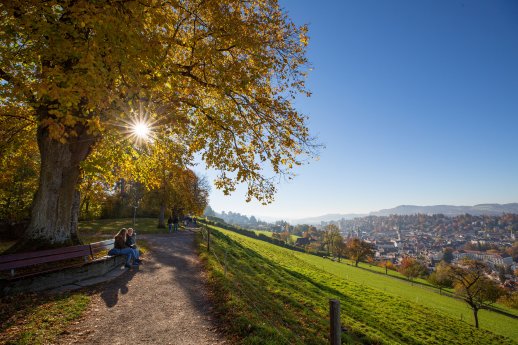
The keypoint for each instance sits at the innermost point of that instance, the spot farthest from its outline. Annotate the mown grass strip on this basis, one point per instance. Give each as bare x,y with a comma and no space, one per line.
36,319
275,296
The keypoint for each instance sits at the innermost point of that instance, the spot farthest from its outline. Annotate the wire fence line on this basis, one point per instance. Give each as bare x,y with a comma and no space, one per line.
205,230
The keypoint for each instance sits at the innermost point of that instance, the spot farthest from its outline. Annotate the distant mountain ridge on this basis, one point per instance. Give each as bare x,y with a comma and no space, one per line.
447,210
326,218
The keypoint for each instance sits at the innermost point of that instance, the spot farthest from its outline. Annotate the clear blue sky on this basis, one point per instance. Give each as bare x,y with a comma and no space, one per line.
416,102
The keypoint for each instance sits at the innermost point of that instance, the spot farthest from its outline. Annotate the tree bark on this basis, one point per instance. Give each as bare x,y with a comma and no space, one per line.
161,216
76,202
53,219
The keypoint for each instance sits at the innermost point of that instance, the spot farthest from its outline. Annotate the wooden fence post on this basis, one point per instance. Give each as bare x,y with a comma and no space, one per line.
226,251
335,325
208,239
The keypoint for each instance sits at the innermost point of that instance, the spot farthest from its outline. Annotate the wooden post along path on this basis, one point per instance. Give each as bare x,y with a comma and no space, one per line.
335,337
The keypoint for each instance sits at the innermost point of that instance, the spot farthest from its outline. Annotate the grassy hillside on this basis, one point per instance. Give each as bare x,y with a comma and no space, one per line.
270,234
271,295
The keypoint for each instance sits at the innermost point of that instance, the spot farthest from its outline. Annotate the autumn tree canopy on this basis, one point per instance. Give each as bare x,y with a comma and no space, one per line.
412,268
216,76
358,250
471,283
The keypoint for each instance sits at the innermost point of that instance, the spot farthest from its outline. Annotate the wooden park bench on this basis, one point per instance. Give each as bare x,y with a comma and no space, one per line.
34,263
25,262
99,247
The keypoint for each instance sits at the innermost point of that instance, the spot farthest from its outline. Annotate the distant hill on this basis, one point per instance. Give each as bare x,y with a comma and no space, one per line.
325,218
449,210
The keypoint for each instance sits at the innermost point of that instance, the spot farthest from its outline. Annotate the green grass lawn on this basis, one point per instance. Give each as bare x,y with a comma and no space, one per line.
110,227
272,295
104,229
38,319
270,234
423,283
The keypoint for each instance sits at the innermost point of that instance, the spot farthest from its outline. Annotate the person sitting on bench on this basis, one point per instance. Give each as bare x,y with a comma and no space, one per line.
131,243
120,248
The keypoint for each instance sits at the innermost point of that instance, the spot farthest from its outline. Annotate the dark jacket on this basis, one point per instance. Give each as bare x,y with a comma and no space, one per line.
130,241
119,243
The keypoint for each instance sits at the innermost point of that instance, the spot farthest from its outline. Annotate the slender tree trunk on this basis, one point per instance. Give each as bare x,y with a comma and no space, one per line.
52,215
161,216
356,263
475,314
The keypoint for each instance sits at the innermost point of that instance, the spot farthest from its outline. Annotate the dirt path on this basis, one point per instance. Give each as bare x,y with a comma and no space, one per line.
163,302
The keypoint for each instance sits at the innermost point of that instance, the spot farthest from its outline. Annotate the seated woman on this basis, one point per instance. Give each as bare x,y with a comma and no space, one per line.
131,243
120,248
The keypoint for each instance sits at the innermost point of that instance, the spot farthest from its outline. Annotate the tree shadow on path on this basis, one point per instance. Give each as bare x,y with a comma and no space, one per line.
110,292
178,252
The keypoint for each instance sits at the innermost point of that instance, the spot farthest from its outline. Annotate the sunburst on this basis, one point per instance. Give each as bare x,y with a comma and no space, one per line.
139,128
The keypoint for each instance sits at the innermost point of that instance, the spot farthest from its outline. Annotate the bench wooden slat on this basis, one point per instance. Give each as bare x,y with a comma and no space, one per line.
22,260
42,253
31,261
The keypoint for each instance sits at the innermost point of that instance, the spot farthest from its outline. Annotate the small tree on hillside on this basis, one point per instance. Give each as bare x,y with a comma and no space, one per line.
358,250
331,232
473,286
411,268
441,276
387,264
339,247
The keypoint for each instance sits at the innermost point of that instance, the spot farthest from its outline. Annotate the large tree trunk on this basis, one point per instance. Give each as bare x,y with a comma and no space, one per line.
53,219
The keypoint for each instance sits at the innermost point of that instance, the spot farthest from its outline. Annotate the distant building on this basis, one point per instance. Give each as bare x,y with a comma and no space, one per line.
491,259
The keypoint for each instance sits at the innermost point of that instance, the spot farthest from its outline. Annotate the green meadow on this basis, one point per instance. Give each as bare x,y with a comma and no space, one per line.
272,295
270,234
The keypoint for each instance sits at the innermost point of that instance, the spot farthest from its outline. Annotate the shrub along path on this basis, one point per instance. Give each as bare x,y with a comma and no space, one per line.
163,302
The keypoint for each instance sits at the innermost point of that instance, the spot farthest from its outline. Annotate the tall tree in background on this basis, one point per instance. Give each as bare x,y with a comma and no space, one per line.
217,76
358,250
447,255
473,286
441,276
331,233
339,247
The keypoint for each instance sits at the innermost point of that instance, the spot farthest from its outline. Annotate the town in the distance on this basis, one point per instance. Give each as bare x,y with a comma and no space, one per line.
486,233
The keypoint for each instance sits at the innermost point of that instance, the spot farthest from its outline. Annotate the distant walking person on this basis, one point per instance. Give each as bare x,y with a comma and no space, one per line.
170,223
175,222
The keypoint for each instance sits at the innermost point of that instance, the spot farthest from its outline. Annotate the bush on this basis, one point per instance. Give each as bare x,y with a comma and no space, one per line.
510,299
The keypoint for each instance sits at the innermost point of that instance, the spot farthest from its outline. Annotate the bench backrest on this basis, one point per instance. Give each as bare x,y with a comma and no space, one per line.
12,261
97,247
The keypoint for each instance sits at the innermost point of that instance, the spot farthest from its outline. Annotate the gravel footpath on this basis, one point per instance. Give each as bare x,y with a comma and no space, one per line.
164,301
